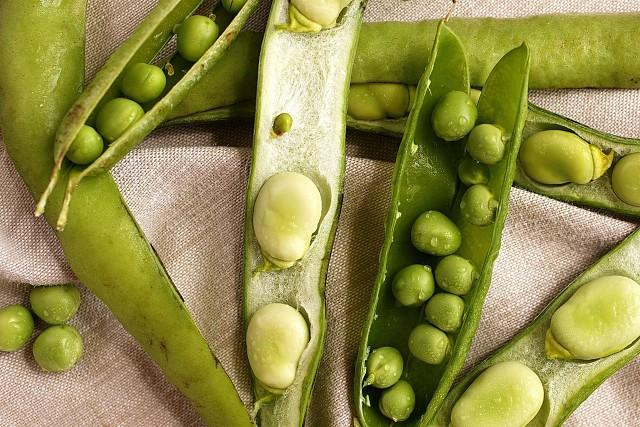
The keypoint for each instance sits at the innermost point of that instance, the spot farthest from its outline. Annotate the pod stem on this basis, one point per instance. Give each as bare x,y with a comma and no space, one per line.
53,180
74,179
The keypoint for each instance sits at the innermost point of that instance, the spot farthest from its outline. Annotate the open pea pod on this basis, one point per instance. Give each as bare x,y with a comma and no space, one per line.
425,178
293,201
147,40
567,382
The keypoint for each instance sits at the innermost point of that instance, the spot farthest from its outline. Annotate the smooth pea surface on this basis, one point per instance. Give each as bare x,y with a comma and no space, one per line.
435,234
473,172
58,348
454,116
282,123
625,179
143,82
276,337
478,205
116,116
86,147
384,367
413,285
485,144
195,35
16,327
455,274
428,344
286,214
55,304
398,402
601,318
445,311
506,394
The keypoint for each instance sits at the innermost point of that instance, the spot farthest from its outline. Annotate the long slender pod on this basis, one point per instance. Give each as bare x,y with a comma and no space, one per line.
293,202
43,44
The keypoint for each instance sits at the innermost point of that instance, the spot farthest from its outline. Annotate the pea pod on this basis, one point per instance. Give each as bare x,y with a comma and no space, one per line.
142,46
103,244
425,178
292,204
567,383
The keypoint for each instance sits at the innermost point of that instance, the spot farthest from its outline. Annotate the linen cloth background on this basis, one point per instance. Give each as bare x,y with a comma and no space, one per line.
186,185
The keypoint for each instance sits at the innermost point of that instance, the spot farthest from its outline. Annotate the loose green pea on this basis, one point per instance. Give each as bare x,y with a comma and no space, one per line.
478,206
625,179
445,311
398,402
428,344
58,348
485,144
413,285
86,147
55,304
384,367
195,36
601,318
472,172
557,157
282,124
435,234
116,116
455,274
276,338
506,394
16,327
454,116
233,6
286,213
143,82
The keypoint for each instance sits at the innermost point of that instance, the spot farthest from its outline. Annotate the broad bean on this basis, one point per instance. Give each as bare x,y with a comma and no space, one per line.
379,101
625,179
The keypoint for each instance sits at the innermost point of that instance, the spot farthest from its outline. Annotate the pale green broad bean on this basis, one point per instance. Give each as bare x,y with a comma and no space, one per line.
601,318
285,216
379,101
384,367
276,337
625,179
316,14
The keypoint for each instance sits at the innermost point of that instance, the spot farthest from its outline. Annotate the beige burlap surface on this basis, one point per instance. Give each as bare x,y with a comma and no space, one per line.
185,186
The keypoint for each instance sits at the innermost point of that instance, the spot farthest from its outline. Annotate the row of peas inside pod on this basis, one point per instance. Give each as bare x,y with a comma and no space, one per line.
141,85
433,233
59,347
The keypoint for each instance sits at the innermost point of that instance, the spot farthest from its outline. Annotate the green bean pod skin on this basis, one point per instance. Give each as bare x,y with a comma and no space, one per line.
566,383
425,178
105,247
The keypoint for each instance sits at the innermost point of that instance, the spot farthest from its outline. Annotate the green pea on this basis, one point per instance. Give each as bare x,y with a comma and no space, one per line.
435,234
558,157
625,179
233,6
282,124
16,327
478,206
445,311
454,116
55,304
506,394
472,172
286,213
455,274
413,285
601,318
116,116
195,36
384,367
143,82
398,402
428,344
58,348
276,337
485,144
86,147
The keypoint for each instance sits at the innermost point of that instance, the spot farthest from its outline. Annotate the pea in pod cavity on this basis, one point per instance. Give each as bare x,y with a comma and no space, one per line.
122,122
426,221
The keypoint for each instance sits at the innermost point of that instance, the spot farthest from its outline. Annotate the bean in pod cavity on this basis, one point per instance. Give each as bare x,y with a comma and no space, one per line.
437,220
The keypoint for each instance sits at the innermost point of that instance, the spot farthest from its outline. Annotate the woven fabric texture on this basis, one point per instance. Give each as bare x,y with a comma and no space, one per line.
185,187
